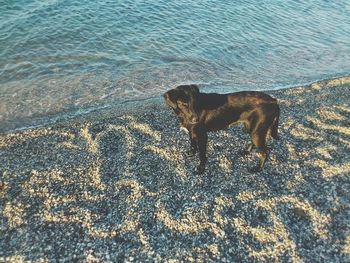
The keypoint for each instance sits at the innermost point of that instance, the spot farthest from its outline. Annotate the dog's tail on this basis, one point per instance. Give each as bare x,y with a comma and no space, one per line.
274,126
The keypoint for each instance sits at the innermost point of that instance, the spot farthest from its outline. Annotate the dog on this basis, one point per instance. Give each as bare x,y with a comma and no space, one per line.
200,113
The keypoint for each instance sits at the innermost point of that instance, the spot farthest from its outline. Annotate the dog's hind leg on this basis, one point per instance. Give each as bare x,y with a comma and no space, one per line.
274,126
246,128
259,140
249,126
263,157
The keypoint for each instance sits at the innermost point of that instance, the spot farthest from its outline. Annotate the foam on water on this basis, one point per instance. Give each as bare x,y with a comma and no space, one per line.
68,55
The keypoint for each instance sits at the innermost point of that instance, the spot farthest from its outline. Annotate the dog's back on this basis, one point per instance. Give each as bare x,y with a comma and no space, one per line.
219,111
252,98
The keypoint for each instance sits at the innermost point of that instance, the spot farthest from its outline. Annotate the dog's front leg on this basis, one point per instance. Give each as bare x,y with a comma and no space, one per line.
201,137
192,151
194,147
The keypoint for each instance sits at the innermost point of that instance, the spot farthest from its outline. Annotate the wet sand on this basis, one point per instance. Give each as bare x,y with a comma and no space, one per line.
115,186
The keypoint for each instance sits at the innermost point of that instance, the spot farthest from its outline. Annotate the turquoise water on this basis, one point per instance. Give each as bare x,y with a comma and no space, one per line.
64,55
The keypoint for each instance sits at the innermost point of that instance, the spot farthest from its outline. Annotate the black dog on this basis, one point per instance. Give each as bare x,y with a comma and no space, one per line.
200,113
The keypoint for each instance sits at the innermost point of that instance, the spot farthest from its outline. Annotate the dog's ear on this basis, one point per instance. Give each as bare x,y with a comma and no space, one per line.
194,88
173,95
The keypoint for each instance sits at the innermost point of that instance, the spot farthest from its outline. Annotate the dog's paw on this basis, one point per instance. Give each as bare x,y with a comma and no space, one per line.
190,153
255,169
200,169
243,153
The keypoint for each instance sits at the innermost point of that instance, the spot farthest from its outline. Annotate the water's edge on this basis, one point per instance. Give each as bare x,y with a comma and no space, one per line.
115,109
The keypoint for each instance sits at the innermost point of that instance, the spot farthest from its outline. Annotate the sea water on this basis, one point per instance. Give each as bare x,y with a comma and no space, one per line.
73,55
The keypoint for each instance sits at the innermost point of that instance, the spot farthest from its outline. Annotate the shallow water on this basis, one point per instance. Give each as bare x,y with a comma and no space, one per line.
65,55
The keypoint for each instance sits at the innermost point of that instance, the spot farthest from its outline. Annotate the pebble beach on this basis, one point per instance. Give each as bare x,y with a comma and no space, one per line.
116,186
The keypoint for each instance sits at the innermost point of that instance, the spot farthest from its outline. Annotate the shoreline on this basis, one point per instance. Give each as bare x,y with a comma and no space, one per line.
115,186
127,105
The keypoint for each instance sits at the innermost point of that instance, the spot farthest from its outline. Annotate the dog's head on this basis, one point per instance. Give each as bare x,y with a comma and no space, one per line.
184,101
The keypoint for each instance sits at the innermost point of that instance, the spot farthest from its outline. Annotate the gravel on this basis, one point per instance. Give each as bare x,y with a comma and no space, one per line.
115,186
